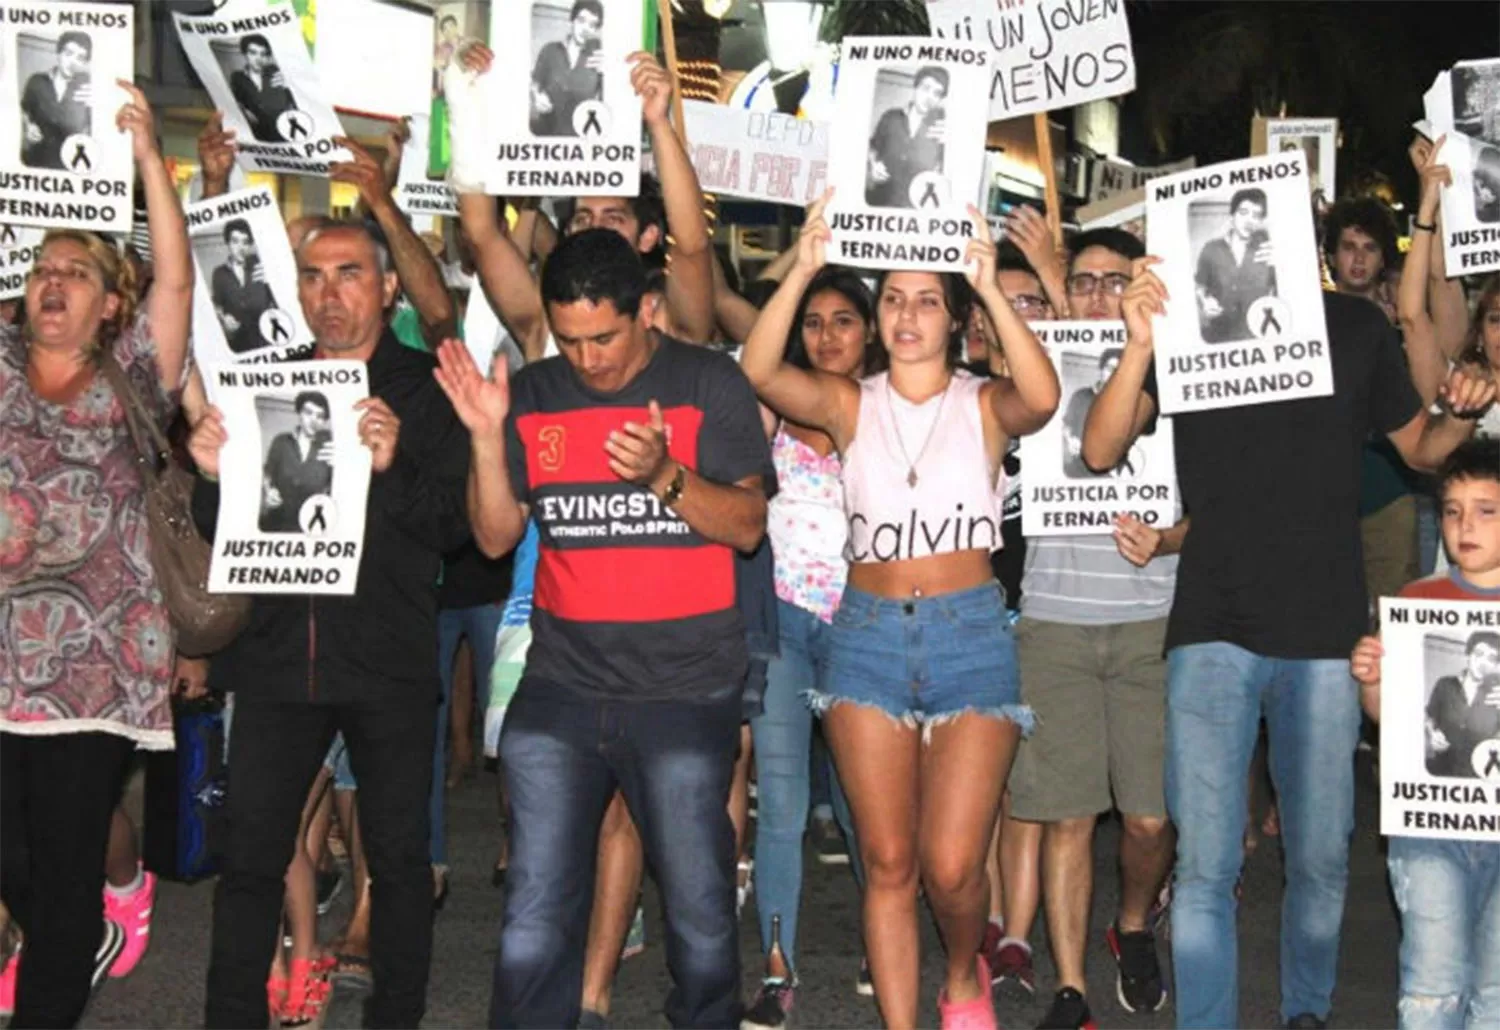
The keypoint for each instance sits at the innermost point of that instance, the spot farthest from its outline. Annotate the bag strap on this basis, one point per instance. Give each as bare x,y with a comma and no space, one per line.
142,426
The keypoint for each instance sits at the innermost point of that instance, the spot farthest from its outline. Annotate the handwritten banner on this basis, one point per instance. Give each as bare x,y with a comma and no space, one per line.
757,155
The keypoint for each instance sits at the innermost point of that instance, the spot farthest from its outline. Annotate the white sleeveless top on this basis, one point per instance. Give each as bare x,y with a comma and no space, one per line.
956,503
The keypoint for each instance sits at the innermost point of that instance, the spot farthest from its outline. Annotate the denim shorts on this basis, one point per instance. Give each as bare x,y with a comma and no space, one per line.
925,659
337,763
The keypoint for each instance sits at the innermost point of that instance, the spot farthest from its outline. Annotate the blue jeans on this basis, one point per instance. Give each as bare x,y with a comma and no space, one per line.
563,759
1215,696
1448,892
783,752
479,625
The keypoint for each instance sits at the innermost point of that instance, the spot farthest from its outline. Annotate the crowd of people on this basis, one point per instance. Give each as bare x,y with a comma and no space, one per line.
731,560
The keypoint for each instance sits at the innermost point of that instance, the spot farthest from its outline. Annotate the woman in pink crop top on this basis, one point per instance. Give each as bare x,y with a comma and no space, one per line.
920,688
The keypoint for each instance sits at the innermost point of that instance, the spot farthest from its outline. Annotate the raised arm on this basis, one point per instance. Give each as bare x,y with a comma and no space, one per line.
736,315
504,273
1123,409
1024,400
215,156
690,299
1428,439
811,398
1429,365
1027,229
421,278
170,302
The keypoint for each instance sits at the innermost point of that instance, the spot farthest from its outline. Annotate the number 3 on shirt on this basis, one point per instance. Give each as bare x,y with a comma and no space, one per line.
550,457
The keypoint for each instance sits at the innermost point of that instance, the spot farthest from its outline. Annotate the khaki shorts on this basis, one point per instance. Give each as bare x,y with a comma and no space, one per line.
1100,698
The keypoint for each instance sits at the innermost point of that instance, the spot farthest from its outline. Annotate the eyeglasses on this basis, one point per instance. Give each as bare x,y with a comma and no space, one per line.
1029,303
1086,284
62,273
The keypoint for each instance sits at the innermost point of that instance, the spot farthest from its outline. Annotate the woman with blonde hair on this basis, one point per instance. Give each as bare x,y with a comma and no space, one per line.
86,649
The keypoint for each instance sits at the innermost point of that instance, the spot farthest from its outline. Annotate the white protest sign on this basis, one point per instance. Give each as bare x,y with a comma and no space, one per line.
19,247
757,155
1111,178
906,152
245,308
1062,496
1439,729
1471,206
63,164
1318,139
416,194
254,63
1046,54
293,477
484,334
1122,211
578,129
1466,100
1244,324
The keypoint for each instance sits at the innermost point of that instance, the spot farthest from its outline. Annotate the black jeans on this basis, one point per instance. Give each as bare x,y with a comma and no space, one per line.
57,794
275,749
673,761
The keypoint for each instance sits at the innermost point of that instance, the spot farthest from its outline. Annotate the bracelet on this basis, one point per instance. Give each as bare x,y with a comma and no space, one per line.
673,493
1424,227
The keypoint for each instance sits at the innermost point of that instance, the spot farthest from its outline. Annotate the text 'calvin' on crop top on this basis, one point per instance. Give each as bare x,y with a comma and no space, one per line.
917,477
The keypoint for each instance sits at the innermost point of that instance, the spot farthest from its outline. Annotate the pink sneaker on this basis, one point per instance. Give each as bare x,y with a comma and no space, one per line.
976,1014
133,914
8,986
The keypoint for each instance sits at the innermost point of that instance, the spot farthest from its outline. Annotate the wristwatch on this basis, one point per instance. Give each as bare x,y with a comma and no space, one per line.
673,493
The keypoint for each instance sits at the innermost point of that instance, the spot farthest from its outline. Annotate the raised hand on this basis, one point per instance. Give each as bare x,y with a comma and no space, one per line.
1434,177
363,173
1467,394
475,57
653,85
979,255
135,117
481,404
638,453
207,440
812,241
216,153
1145,297
1027,229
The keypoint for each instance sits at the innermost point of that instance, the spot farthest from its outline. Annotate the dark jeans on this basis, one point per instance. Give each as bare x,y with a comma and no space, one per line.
277,748
563,759
56,797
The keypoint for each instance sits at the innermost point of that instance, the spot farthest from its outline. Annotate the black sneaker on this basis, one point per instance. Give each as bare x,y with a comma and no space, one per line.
1069,1011
109,950
329,885
588,1019
772,1005
828,840
1306,1021
1139,981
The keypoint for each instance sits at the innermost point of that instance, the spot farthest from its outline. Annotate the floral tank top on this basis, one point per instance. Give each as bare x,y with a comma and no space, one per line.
806,524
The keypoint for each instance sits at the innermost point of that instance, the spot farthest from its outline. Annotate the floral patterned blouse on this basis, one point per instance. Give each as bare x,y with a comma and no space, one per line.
806,524
85,643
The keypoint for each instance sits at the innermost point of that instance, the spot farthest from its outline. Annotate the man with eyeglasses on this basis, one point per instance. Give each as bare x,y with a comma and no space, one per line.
1090,639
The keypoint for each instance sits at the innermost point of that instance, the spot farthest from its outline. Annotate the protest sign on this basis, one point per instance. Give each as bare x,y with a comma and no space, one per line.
245,308
63,163
1440,719
254,63
416,193
484,334
1466,100
1317,138
757,155
1122,211
19,247
293,477
579,131
1471,206
906,152
1044,54
1244,324
1111,178
1062,496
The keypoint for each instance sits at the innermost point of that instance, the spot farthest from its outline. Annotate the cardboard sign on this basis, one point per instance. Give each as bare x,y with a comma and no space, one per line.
1111,178
1062,495
293,478
245,308
1245,321
63,164
1046,54
907,153
1440,719
254,63
757,155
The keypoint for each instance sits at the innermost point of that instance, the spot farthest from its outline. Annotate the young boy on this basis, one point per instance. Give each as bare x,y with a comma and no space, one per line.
1448,891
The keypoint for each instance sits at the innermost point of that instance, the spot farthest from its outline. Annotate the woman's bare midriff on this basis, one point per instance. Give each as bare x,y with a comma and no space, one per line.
923,577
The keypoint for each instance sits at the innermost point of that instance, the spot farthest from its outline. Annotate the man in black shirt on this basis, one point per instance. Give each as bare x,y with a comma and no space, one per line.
57,104
1460,714
1270,600
260,89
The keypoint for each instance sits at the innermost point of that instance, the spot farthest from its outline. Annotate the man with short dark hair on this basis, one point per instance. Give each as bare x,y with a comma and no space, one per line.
239,290
260,89
907,141
56,104
644,464
1235,270
307,667
568,72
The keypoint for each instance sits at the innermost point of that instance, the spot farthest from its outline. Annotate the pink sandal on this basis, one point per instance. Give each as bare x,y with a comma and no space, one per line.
978,1013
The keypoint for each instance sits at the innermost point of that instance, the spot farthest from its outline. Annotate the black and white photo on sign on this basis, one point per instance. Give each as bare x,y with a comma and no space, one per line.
579,131
246,308
417,193
253,61
1062,494
1471,205
1045,54
293,477
1317,139
1475,100
1244,322
906,152
757,155
60,65
1440,719
19,247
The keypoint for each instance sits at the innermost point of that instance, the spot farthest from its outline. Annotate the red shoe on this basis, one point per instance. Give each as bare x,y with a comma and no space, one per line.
8,986
133,914
977,1013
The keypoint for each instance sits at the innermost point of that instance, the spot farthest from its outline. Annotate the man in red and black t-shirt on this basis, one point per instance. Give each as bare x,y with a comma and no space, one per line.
643,461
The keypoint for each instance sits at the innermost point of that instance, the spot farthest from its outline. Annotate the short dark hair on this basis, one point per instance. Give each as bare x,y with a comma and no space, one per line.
1111,354
1116,241
848,284
1008,258
958,298
1483,637
594,7
312,397
1474,460
1370,217
447,20
81,39
932,72
254,39
1254,194
235,225
647,206
595,265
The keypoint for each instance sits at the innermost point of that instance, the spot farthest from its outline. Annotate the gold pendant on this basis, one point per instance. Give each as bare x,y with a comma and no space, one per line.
911,477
